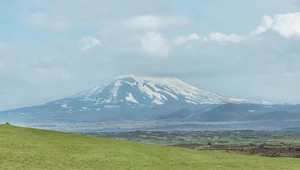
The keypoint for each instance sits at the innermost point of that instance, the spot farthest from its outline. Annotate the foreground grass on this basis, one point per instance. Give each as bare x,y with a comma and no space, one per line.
24,148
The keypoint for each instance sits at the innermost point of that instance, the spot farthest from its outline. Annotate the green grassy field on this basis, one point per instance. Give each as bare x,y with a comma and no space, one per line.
24,148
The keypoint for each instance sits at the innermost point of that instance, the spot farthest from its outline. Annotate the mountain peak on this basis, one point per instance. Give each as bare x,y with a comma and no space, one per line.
144,91
147,78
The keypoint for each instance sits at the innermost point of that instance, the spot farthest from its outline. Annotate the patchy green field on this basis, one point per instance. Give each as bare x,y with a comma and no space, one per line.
24,148
249,142
229,138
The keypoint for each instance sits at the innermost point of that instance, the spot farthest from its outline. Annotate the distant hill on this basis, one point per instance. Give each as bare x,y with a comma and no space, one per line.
226,112
278,116
217,113
182,114
293,129
236,112
188,114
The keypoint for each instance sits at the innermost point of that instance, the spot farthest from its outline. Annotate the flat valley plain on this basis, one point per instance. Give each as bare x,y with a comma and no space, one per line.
249,142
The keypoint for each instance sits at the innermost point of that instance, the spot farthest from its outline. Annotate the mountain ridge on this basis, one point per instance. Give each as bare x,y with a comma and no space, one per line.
129,97
145,91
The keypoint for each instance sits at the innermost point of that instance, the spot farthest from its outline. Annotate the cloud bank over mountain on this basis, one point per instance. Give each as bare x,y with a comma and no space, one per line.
64,46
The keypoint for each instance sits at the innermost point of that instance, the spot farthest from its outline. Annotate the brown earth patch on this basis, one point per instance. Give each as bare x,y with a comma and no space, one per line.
262,150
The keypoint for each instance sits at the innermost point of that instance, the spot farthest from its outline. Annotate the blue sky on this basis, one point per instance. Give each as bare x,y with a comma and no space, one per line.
53,48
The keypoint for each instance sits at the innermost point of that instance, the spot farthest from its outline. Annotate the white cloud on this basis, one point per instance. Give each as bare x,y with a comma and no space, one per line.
265,25
154,44
183,39
222,38
150,22
287,25
45,22
88,42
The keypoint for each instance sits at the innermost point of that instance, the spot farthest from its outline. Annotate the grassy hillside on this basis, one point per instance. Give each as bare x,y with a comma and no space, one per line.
24,148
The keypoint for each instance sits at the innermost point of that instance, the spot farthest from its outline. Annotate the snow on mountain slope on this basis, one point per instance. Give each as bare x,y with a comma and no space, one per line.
252,101
160,90
136,91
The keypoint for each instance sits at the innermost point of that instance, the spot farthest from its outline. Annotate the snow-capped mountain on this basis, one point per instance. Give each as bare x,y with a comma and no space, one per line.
127,97
136,91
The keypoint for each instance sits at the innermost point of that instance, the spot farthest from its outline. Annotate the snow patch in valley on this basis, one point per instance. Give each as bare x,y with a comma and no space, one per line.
65,106
111,107
172,95
84,109
252,101
131,84
158,102
130,98
191,102
156,97
115,90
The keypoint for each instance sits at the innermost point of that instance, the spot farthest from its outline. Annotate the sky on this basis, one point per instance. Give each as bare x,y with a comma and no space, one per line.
50,49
